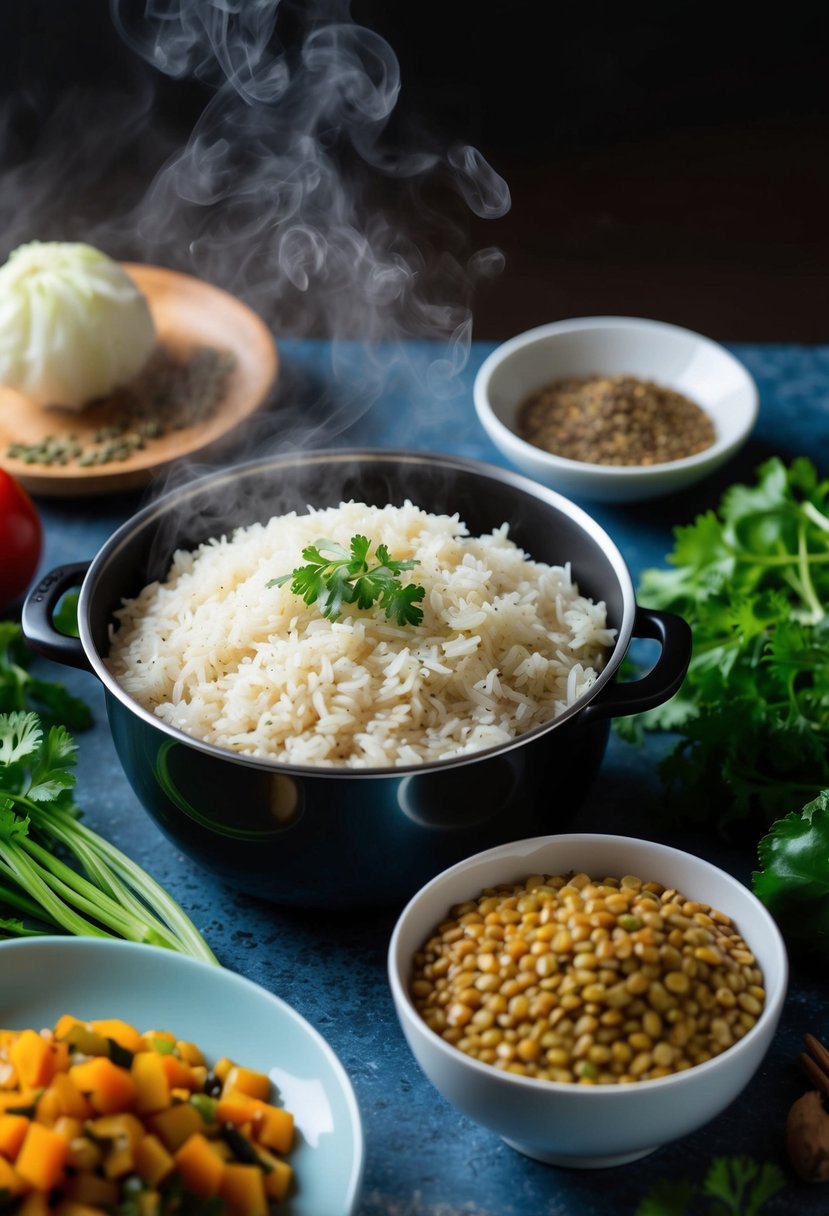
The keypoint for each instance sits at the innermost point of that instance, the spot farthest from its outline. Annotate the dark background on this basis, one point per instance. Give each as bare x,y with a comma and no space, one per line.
666,161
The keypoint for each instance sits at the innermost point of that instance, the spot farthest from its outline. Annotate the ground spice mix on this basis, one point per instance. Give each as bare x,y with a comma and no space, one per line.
173,391
614,420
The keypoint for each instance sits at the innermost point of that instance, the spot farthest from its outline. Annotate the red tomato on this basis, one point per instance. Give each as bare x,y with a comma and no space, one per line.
21,540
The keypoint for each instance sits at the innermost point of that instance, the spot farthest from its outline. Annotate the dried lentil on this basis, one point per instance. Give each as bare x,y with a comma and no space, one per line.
650,1006
171,392
614,420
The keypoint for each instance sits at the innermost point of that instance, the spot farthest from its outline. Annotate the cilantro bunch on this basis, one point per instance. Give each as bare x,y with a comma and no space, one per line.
334,577
102,893
21,690
733,1186
752,716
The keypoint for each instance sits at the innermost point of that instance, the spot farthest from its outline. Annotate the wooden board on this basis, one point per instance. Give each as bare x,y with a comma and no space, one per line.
187,313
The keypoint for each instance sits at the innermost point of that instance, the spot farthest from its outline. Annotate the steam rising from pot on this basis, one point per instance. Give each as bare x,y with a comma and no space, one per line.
300,186
279,184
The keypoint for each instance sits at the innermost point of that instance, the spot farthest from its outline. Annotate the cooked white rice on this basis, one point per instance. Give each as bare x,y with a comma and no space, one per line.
505,644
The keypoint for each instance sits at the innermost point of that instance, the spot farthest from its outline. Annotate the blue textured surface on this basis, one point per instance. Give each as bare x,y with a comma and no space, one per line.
422,1158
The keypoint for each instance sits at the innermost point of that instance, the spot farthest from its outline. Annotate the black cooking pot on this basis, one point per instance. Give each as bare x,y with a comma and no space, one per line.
342,838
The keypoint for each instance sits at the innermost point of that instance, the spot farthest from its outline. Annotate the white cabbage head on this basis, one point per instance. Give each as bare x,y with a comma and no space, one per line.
73,324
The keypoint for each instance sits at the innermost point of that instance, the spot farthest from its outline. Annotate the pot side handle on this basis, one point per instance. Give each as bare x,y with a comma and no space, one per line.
664,678
38,610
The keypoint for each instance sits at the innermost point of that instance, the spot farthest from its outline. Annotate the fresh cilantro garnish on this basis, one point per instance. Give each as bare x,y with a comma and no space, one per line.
733,1186
335,576
107,895
741,1185
752,716
20,690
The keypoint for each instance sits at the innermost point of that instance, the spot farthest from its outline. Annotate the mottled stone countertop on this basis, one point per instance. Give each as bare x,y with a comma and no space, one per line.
423,1159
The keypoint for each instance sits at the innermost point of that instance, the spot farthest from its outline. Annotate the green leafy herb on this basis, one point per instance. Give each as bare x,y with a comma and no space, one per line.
752,715
668,1197
794,880
335,576
733,1186
108,895
741,1185
20,690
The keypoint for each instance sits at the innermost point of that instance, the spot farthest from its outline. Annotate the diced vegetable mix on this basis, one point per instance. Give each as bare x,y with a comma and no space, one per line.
97,1118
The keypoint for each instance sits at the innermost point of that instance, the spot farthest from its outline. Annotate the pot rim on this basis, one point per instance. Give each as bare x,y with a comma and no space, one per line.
158,507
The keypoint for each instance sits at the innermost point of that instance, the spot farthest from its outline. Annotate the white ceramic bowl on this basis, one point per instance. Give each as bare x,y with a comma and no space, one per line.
571,1124
669,355
225,1014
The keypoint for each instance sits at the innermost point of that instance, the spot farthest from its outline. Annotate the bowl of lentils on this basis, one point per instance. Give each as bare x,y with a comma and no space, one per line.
615,409
587,997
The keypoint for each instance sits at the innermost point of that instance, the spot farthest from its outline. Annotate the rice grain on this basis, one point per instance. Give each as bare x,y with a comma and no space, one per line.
505,644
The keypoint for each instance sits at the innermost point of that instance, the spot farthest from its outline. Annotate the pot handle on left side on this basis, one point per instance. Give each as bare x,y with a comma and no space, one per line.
664,678
38,610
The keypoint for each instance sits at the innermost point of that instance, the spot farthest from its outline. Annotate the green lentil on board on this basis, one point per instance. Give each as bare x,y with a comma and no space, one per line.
170,393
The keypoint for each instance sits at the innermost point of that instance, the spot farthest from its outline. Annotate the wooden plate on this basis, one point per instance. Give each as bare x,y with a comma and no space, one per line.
188,313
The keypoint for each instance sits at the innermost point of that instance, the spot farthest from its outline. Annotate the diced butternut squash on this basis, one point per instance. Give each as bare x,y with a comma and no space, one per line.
200,1168
222,1067
60,1053
190,1053
13,1129
10,1179
33,1059
122,1033
278,1176
174,1125
243,1189
152,1088
247,1081
48,1107
153,1163
108,1086
65,1023
271,1125
70,1099
68,1127
84,1154
274,1127
91,1189
122,1133
18,1101
237,1108
42,1157
178,1073
119,1126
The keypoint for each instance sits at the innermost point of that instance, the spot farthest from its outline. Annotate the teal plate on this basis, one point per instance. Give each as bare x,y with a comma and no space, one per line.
225,1014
